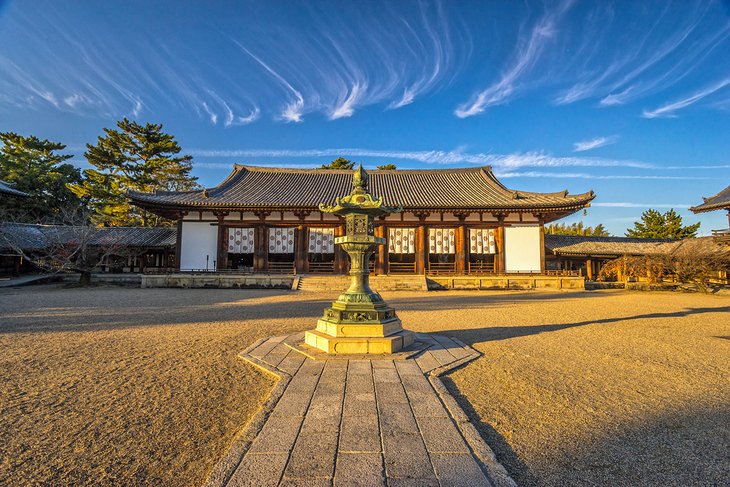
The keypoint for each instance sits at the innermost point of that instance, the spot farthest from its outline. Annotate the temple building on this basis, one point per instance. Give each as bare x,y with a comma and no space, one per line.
454,221
721,201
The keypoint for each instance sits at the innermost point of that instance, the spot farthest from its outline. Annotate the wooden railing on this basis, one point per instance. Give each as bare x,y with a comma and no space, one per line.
436,268
322,267
563,272
721,235
481,267
402,268
281,268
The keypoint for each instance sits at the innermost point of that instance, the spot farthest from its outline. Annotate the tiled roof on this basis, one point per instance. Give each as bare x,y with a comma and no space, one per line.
31,237
7,188
607,246
719,201
260,187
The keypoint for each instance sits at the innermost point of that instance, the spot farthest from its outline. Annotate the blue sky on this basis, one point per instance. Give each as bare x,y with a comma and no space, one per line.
630,99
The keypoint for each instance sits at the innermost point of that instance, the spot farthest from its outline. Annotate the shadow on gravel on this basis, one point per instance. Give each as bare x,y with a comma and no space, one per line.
493,333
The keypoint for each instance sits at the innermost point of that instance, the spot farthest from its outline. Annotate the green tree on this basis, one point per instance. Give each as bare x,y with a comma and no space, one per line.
577,229
339,163
132,157
654,224
387,167
33,166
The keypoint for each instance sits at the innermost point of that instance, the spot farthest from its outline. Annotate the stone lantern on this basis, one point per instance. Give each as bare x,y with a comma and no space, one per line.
359,321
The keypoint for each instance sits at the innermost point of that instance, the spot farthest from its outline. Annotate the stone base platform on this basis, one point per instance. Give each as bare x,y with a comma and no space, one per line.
346,422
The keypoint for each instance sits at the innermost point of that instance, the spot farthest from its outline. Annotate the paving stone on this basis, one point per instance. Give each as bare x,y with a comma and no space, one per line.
359,470
443,356
441,436
405,456
278,435
359,423
313,455
427,362
258,470
277,354
362,404
297,482
397,418
454,348
267,346
360,434
459,471
291,363
428,482
408,367
359,367
426,404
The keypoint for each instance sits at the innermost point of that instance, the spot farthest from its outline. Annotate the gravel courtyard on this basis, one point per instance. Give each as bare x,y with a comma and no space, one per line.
112,385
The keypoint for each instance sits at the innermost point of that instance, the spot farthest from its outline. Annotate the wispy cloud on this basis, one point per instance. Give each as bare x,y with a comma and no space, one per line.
594,143
574,175
529,49
623,204
669,109
513,161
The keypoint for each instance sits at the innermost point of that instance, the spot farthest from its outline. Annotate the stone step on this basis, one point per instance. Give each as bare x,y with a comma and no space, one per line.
338,283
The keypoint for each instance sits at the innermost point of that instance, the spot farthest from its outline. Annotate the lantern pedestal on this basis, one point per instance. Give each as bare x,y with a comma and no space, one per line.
359,321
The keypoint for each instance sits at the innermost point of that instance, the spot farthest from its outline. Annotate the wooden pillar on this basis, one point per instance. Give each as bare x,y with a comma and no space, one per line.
341,259
589,269
300,249
261,243
222,254
461,249
381,256
542,246
499,265
178,243
261,248
421,249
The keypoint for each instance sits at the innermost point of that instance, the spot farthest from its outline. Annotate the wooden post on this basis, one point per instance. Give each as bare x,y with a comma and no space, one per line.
261,248
499,258
421,249
222,255
462,246
341,259
382,254
542,247
178,243
589,269
300,249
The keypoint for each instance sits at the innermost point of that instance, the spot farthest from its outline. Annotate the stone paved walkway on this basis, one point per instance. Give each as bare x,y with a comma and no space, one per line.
360,422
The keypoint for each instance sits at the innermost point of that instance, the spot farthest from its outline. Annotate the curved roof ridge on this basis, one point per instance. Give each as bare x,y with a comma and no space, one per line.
254,168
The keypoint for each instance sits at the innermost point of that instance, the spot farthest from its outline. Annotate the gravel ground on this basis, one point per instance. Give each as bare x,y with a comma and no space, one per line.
114,385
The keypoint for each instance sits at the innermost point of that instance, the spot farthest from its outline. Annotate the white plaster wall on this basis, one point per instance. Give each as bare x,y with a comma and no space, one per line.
198,240
522,248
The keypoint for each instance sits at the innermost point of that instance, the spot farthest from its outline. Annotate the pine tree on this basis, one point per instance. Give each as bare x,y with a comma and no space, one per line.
33,166
387,167
654,224
134,157
577,229
339,163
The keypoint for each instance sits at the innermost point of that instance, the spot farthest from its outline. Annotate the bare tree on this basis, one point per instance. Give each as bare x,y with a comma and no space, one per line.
71,244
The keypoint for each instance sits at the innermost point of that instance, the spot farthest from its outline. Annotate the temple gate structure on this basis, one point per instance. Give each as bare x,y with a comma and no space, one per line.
454,222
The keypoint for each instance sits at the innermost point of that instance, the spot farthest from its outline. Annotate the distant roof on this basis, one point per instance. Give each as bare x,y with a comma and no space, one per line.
253,187
718,202
30,237
606,246
8,189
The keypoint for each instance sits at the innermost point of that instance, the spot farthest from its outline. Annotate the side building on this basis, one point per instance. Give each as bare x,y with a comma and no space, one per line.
455,221
721,201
